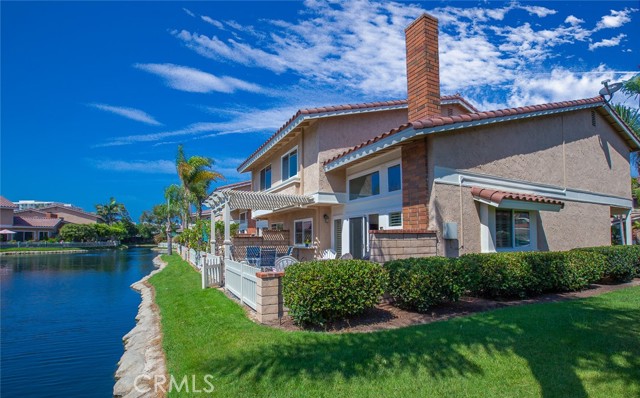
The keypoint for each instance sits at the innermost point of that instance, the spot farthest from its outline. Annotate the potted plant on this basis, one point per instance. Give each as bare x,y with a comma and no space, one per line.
307,242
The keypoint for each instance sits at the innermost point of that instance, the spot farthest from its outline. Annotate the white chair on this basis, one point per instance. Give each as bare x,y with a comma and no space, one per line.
328,254
283,262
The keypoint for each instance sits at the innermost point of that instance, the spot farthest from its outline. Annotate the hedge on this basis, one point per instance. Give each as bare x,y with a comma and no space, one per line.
319,292
419,283
622,262
524,274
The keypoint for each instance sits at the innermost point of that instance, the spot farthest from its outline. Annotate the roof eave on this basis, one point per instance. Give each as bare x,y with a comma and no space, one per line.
411,133
303,117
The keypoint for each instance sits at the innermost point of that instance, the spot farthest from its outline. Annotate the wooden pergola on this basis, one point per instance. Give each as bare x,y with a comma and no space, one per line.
226,200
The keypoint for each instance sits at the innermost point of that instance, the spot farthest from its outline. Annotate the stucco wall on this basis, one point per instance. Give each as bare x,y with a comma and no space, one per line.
576,225
71,216
321,229
6,216
531,150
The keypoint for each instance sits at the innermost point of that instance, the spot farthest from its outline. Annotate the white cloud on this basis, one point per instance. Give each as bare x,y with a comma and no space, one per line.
129,113
615,19
573,20
612,42
137,166
538,11
193,80
212,21
188,12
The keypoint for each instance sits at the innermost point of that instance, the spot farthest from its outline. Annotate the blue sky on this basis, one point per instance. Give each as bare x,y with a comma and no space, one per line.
96,96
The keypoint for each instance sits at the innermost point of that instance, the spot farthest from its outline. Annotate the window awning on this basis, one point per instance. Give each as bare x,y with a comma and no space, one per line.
514,200
254,200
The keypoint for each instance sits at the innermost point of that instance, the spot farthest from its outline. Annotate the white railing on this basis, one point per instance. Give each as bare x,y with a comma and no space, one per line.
209,266
211,271
240,279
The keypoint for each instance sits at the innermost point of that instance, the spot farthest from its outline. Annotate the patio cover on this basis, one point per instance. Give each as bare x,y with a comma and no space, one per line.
253,200
510,200
226,200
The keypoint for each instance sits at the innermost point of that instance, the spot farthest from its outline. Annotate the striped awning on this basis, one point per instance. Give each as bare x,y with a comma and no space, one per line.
254,200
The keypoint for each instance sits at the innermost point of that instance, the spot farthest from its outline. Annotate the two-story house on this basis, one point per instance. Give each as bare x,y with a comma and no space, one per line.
433,175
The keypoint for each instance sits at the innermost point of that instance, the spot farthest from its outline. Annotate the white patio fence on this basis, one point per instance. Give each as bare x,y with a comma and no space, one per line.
210,266
240,279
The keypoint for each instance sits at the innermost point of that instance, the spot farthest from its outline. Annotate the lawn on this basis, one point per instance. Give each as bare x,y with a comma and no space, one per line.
580,348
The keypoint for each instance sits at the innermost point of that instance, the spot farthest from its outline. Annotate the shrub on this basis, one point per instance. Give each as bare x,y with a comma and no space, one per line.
420,283
622,262
506,275
318,292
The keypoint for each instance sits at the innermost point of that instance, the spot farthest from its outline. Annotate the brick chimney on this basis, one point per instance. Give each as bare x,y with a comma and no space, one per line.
423,68
423,89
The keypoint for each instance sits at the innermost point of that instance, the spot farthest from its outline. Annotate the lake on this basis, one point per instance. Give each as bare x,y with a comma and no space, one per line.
63,317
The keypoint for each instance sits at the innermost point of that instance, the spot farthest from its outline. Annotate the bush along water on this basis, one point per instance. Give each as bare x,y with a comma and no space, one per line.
320,292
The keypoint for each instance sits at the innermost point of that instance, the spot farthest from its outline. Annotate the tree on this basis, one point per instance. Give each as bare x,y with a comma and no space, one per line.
196,176
112,211
631,116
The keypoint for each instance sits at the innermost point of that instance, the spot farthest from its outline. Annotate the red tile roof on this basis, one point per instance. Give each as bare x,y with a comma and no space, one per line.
439,120
496,196
234,185
459,98
312,111
35,222
51,209
7,204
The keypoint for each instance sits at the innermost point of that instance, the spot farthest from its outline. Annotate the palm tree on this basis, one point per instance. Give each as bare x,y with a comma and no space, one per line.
631,116
196,176
112,211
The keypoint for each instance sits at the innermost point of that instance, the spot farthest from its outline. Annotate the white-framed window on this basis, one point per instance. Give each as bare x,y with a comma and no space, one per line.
513,229
504,229
290,164
243,217
303,231
394,178
364,186
265,178
277,226
395,219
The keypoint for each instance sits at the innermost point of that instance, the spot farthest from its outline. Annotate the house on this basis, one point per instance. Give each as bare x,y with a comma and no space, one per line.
68,213
26,227
432,175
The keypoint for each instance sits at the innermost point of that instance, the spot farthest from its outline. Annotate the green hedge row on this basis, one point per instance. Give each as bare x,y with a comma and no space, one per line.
318,292
622,262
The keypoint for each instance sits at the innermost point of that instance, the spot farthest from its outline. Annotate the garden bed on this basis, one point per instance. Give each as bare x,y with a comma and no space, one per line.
386,316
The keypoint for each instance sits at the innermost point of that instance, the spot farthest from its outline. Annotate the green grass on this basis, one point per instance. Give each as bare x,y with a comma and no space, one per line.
39,249
578,348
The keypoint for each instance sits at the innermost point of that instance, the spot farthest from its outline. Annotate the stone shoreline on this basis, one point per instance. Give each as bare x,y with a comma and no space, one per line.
143,361
17,253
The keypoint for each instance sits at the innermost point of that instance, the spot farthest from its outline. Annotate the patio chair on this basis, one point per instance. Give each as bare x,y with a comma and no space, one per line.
346,256
253,255
283,262
267,257
328,254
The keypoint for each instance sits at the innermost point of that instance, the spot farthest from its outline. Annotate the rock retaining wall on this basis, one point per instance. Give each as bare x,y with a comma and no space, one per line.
143,362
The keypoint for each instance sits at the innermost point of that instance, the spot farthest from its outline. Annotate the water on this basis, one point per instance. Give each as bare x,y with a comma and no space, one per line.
63,317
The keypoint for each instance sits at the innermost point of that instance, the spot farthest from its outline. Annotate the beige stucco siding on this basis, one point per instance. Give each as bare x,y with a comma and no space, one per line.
593,158
321,229
6,217
576,225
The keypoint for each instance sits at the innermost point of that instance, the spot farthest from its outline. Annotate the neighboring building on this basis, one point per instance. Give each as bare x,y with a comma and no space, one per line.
26,226
41,223
71,214
432,175
34,204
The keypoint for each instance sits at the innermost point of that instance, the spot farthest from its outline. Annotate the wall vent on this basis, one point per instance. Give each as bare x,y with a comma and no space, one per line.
593,118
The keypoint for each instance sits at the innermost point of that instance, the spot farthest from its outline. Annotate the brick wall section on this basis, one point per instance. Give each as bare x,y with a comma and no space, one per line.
415,196
423,68
394,245
269,301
